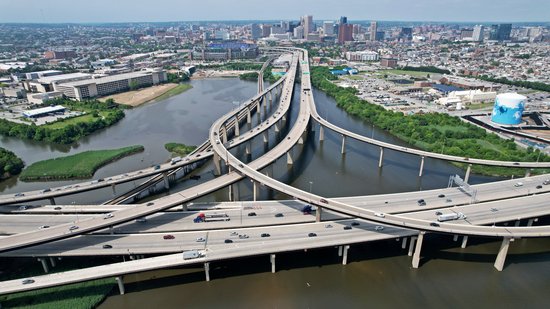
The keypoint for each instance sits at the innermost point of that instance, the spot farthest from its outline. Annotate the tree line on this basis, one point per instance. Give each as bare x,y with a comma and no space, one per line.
518,83
10,164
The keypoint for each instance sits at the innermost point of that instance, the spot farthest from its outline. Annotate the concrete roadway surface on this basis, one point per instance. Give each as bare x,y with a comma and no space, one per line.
213,249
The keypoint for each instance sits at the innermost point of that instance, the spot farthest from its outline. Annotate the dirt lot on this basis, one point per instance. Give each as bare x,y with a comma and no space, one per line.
138,97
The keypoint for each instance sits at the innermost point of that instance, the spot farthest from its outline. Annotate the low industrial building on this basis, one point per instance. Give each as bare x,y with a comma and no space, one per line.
40,98
366,55
467,97
46,83
225,51
40,112
97,87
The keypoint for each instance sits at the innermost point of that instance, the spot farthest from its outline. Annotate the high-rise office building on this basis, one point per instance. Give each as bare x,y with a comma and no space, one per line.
504,31
343,20
299,32
266,30
466,34
328,28
307,23
478,34
345,33
406,33
285,25
255,31
372,30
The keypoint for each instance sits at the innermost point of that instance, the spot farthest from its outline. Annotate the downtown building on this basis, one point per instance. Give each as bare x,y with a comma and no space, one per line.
225,51
102,86
366,55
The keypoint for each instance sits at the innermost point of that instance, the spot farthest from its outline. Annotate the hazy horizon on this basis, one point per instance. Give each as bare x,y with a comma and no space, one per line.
126,11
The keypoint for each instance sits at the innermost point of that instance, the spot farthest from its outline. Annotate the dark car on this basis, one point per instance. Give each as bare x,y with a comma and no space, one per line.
311,234
539,187
421,202
323,201
438,213
434,224
265,235
57,208
150,204
251,214
228,241
347,227
27,281
168,236
279,215
107,247
241,165
441,195
354,223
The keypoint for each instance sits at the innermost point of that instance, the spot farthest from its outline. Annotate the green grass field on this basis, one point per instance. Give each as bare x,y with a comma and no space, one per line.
179,149
410,73
65,122
81,165
174,91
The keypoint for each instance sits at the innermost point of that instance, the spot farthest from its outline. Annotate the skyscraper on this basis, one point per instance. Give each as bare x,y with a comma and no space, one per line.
478,34
345,33
255,31
328,28
372,30
307,23
503,33
343,20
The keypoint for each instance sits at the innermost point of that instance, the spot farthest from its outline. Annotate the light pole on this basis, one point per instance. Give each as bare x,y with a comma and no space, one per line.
310,186
372,132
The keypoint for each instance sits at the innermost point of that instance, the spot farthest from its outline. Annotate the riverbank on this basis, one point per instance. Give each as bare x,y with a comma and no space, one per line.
78,166
434,132
154,93
179,149
10,164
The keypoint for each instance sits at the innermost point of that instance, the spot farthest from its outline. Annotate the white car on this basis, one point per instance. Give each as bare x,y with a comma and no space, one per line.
378,228
518,184
378,214
200,239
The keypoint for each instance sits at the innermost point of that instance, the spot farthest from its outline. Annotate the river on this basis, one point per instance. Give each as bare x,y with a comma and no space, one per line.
377,274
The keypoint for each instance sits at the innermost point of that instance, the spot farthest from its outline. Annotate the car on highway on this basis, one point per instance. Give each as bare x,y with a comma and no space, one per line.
150,204
279,215
434,224
241,165
323,201
546,182
448,200
57,208
23,207
251,214
441,195
157,167
141,220
311,235
421,202
265,235
354,223
378,228
328,226
234,233
379,214
44,227
347,227
539,187
168,236
46,190
228,241
518,184
72,228
243,236
19,194
200,239
27,281
107,246
516,163
438,213
108,216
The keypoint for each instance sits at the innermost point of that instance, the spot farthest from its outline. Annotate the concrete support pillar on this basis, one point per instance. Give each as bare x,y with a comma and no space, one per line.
416,256
321,133
528,172
277,127
266,137
517,223
224,135
343,150
113,187
255,190
381,157
247,148
318,214
166,181
455,237
531,221
411,245
340,250
120,285
502,252
464,241
44,264
237,132
345,255
52,201
217,164
272,259
258,110
207,270
248,116
289,158
421,167
302,138
468,170
404,243
52,261
231,193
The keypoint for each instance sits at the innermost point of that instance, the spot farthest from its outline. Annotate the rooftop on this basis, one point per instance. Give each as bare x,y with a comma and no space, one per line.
107,79
57,78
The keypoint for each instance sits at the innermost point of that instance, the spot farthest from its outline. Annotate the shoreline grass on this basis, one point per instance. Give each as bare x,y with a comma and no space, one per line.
179,149
78,166
181,88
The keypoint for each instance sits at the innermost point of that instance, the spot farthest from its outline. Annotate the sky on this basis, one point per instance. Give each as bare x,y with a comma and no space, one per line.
84,11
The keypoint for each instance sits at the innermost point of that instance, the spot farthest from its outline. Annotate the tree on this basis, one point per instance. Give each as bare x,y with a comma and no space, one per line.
134,85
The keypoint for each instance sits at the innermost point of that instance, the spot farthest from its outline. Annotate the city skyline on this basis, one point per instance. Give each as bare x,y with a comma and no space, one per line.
64,11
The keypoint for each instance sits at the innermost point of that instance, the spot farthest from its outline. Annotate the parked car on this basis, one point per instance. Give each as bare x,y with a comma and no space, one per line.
168,236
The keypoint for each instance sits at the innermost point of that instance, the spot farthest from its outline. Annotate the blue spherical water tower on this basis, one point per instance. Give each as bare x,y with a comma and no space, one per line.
508,109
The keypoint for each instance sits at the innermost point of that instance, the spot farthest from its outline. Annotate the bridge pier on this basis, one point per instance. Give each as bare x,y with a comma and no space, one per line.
464,241
166,181
52,201
113,187
276,127
289,160
502,252
455,237
404,243
531,221
44,264
231,193
266,136
321,133
468,170
207,270
421,167
258,106
272,260
217,164
381,157
120,285
318,214
343,150
416,256
345,255
411,245
52,262
340,250
237,132
224,134
248,116
255,190
247,148
302,137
